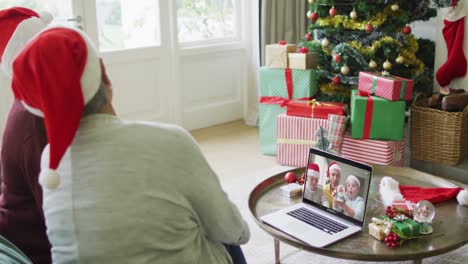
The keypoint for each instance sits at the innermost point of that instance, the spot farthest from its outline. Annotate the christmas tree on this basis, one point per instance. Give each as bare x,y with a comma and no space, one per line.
368,35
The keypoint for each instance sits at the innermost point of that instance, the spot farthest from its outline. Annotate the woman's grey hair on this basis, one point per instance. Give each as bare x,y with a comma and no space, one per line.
97,102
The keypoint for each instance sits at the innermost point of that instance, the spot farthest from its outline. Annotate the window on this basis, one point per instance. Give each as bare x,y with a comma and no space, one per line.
126,24
58,8
201,20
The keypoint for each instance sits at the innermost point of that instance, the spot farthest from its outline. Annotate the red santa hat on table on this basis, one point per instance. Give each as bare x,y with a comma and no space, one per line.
333,166
18,25
391,190
56,74
313,170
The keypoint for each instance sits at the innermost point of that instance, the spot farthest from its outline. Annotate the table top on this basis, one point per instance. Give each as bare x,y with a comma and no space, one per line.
450,223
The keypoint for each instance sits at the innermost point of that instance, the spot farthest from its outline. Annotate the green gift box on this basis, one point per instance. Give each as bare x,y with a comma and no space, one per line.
373,117
408,227
276,88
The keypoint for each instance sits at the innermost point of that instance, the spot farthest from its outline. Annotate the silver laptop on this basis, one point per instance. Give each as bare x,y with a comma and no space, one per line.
317,222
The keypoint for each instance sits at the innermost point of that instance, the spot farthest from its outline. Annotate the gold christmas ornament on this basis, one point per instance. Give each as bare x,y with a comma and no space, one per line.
311,1
387,65
395,7
308,13
400,59
345,69
373,64
353,14
325,42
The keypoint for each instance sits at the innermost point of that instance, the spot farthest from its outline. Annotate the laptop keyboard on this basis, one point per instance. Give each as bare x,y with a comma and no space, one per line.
316,220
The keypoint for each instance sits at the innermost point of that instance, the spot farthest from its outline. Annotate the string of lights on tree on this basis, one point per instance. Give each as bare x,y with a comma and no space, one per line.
373,35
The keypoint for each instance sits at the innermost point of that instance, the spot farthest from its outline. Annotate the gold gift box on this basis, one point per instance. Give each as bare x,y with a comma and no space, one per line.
276,55
377,231
303,61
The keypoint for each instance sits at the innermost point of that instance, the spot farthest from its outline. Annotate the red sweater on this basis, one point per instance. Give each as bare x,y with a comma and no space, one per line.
21,216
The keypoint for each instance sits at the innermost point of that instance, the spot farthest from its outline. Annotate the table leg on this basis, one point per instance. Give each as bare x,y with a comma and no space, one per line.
277,251
417,261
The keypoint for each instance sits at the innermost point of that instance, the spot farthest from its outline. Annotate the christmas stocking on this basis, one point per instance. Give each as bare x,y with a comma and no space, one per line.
453,32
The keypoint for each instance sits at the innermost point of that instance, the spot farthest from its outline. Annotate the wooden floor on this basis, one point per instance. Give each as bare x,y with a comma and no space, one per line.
233,149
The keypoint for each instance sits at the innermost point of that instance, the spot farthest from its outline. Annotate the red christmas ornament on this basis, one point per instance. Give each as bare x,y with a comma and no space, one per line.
406,30
303,50
332,11
337,58
336,80
290,177
308,37
314,16
369,28
282,42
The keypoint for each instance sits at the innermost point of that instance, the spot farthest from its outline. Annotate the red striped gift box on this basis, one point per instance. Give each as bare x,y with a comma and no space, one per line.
374,151
295,136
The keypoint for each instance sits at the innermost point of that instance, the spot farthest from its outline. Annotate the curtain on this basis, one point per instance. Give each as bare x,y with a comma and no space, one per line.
277,20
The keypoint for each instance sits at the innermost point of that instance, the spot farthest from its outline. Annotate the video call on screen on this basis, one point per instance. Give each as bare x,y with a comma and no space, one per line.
344,190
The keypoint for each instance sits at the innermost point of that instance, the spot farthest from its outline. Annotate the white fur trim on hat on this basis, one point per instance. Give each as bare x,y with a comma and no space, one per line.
33,110
313,173
355,179
389,190
462,197
49,179
24,32
454,13
334,167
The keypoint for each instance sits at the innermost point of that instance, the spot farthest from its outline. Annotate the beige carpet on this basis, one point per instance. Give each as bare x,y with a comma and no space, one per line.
233,152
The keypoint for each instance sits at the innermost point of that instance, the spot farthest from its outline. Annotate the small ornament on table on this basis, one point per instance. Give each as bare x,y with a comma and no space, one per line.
332,11
387,65
372,64
406,30
325,42
353,14
345,69
424,212
290,177
395,7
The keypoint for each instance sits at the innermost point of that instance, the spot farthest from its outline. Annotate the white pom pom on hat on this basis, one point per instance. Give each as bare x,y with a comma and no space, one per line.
58,58
462,197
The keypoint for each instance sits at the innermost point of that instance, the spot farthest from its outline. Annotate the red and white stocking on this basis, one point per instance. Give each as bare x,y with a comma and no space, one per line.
453,32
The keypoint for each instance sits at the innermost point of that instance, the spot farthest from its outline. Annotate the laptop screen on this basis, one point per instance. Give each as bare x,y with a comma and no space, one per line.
337,185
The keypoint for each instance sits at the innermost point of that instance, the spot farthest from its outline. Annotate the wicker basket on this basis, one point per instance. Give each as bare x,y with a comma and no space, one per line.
436,135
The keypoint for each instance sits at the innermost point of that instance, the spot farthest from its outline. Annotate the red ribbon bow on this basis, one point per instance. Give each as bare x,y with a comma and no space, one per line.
368,114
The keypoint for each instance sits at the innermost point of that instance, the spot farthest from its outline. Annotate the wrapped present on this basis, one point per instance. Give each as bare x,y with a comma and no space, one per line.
336,129
404,205
408,227
291,190
373,117
276,55
314,108
374,151
386,86
295,138
377,231
303,61
276,88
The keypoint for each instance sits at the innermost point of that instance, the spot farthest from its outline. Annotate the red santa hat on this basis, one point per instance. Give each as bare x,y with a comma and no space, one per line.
56,74
18,25
333,166
313,170
391,190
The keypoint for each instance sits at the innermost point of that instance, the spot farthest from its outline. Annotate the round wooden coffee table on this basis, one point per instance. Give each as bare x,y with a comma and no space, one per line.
450,223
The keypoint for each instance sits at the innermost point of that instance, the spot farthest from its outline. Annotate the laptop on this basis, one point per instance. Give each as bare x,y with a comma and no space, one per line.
317,222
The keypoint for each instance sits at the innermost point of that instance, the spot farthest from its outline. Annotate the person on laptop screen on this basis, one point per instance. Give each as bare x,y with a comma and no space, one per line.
353,205
313,191
334,177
